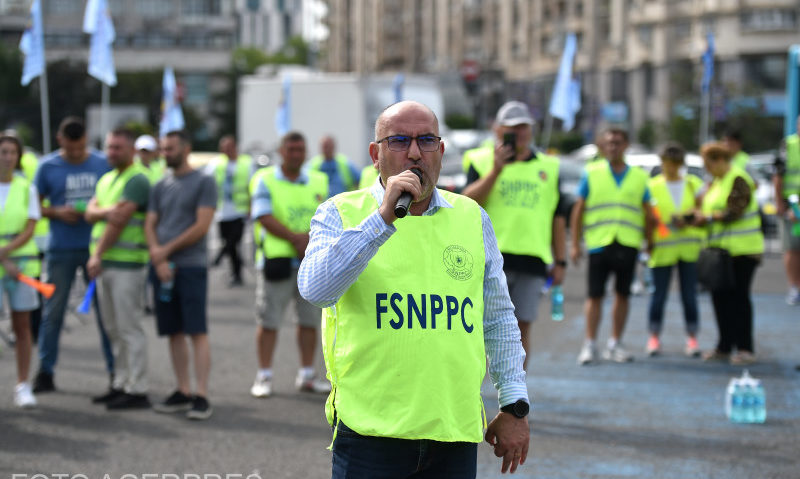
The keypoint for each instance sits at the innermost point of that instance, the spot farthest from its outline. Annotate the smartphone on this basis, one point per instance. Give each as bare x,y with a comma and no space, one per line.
510,139
689,217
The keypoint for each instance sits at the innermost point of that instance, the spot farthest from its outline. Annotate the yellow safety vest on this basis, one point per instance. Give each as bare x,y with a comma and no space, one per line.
368,175
614,213
154,171
682,244
258,230
522,203
342,166
29,165
791,179
13,218
740,159
241,181
740,237
293,205
405,352
131,246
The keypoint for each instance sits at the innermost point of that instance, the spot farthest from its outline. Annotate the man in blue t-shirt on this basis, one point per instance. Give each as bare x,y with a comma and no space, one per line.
66,178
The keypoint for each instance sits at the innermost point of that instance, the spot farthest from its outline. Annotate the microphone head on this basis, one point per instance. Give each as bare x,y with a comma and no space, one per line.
416,172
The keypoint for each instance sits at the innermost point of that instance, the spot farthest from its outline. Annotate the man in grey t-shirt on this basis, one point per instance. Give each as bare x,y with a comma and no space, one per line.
179,214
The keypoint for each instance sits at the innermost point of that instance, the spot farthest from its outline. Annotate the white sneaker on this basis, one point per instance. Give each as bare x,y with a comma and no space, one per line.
793,296
262,387
587,355
617,354
23,396
311,384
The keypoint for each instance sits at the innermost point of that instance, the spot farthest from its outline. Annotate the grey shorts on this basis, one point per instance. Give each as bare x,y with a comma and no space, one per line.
525,290
273,299
790,241
21,297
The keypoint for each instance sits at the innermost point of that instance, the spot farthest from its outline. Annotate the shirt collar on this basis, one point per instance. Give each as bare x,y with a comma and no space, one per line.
302,179
437,199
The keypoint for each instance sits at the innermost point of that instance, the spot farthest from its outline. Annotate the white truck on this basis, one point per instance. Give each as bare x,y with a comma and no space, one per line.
344,106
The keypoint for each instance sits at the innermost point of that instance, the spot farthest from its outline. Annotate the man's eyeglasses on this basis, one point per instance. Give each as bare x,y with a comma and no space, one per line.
402,143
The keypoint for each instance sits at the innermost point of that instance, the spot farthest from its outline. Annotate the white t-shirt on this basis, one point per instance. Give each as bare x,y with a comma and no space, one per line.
676,191
34,212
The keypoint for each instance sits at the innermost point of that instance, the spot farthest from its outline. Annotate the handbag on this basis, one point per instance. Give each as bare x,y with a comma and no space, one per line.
715,269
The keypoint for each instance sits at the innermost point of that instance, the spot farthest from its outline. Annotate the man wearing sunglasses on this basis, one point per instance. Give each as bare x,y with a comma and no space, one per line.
519,187
413,308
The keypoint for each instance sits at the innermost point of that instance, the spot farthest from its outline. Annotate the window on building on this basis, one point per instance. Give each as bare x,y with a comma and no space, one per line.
645,34
153,8
196,86
201,7
766,72
579,8
62,6
769,20
619,85
649,80
682,30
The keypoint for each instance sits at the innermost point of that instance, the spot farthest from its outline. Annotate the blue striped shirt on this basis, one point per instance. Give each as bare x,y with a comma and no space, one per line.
335,258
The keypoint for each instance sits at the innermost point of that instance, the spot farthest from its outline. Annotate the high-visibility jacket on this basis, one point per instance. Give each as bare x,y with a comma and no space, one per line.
404,346
791,179
342,167
614,213
522,203
154,171
131,246
29,166
293,205
13,219
368,175
241,181
740,159
740,237
681,244
258,230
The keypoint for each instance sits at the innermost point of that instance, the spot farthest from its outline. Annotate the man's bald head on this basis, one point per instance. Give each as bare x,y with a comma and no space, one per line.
396,108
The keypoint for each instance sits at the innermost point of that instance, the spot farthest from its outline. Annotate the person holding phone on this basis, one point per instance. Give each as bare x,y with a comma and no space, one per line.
674,196
519,188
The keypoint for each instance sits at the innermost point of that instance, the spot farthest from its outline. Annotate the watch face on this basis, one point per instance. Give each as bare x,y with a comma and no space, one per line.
521,408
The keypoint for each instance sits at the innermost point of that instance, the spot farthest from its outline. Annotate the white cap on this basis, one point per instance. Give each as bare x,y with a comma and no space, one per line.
146,142
514,113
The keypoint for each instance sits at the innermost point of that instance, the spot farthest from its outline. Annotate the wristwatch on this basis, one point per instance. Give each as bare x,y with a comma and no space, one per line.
519,408
561,262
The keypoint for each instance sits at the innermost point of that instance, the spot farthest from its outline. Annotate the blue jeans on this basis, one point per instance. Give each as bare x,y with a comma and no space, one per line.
687,274
368,457
61,268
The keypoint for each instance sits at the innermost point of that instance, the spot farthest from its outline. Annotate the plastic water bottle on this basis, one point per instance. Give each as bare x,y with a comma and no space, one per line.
733,400
793,202
759,403
557,303
745,400
165,290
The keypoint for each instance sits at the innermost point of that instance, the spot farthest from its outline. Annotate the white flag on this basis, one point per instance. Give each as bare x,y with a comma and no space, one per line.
32,45
97,22
171,113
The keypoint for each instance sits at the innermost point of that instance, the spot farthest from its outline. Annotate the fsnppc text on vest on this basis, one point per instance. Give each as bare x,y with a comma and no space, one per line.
422,311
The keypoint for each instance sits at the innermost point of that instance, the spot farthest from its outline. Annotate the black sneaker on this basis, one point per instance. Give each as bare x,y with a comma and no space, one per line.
201,409
43,383
129,401
175,403
108,397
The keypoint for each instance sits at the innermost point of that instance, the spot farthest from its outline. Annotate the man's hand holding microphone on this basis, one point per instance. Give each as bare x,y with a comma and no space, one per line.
401,190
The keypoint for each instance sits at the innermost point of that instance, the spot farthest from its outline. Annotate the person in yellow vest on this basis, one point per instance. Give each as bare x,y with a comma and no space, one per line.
19,211
368,176
673,196
413,307
478,152
519,188
612,213
117,262
283,203
730,212
787,186
147,155
342,175
732,140
232,172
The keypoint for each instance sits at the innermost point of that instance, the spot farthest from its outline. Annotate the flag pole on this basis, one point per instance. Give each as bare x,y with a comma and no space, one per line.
104,110
548,130
45,105
705,102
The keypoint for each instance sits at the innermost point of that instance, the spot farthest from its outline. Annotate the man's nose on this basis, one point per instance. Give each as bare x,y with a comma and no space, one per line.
413,150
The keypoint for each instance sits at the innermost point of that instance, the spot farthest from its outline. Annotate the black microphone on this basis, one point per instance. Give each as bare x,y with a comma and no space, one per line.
401,208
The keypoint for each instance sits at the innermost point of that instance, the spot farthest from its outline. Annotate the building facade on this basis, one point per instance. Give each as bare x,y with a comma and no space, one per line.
638,60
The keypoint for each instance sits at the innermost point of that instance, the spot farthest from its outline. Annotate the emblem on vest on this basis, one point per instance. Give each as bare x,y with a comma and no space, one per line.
458,262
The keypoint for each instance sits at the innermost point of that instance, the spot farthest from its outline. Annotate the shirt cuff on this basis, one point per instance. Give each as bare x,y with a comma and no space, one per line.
510,393
376,229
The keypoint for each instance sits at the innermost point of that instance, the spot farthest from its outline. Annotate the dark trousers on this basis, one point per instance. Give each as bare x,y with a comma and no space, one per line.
687,276
368,457
231,234
734,309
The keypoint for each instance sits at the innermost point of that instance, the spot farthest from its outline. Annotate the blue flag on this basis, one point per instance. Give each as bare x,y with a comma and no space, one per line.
283,120
397,87
171,113
97,22
708,63
562,103
32,45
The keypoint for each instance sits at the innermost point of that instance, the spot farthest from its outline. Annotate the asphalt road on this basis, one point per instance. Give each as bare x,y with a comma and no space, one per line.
656,417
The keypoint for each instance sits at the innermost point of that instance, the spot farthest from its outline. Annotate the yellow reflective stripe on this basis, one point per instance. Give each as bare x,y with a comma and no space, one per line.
614,222
626,206
678,241
726,233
